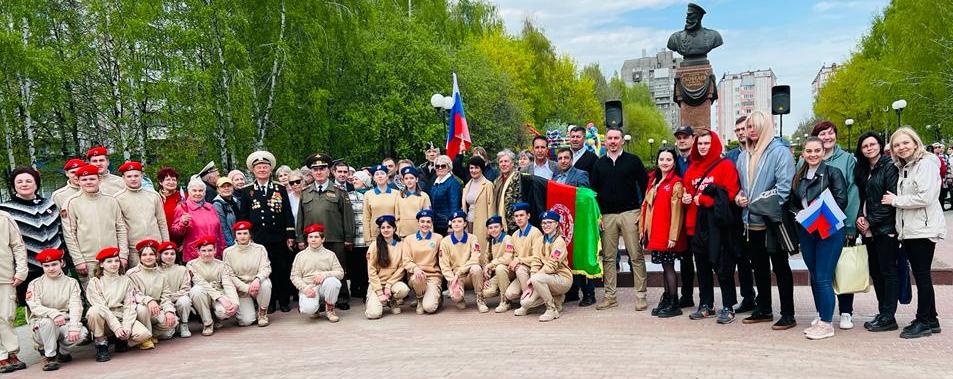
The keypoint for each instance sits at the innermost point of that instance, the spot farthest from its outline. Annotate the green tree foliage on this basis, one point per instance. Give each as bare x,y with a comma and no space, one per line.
905,55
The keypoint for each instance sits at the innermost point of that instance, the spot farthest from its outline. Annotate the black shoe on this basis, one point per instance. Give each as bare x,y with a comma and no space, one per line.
704,311
663,303
686,302
50,364
342,306
757,317
285,308
572,297
122,346
883,324
935,326
671,310
784,323
869,324
64,358
916,330
746,305
102,353
271,308
910,326
587,301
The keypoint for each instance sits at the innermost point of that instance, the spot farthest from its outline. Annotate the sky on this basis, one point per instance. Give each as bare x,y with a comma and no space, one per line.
794,38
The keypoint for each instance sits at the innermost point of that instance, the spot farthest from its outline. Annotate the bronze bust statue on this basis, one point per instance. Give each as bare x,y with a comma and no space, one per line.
694,42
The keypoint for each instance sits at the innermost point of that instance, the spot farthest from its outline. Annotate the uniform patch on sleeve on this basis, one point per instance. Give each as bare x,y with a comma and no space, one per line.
508,247
556,254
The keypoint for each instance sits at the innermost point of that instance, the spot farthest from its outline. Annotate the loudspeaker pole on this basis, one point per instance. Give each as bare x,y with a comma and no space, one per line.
781,126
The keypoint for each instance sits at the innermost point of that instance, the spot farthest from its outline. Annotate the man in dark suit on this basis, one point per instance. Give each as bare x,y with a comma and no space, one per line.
265,204
582,158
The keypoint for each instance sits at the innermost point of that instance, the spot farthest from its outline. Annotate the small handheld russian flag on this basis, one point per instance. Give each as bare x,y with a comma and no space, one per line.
823,215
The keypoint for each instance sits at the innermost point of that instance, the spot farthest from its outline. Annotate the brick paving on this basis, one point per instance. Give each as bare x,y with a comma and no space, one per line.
582,343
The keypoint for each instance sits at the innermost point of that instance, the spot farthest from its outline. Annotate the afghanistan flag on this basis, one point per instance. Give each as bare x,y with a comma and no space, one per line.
578,219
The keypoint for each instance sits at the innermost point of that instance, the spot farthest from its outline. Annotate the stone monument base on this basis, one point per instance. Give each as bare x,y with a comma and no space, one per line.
695,91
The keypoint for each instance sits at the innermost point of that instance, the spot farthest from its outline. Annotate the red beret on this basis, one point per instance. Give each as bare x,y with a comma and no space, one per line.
73,163
241,225
148,243
166,246
49,255
87,170
313,228
98,150
106,253
207,240
130,165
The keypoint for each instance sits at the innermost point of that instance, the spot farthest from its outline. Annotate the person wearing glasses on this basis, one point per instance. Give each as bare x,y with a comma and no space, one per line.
445,194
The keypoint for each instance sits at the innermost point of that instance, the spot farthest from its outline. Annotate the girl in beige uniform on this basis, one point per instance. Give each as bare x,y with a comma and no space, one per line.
317,274
56,310
212,287
250,268
13,271
379,201
113,299
527,243
158,314
411,201
178,282
496,257
420,261
551,276
385,271
460,262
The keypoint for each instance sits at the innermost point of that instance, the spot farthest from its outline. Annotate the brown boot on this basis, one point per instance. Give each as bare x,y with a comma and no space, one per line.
263,317
50,364
329,312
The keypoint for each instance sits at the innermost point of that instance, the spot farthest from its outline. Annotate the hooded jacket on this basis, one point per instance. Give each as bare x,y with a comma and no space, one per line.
919,214
719,171
774,169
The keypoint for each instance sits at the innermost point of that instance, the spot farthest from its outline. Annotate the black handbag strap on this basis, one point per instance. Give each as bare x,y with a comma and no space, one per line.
707,171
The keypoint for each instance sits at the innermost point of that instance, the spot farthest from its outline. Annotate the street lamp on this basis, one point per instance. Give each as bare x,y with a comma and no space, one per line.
936,132
898,107
652,148
664,143
442,105
850,125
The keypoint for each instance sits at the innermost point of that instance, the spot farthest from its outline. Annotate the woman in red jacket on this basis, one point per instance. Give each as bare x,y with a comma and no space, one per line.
660,229
709,168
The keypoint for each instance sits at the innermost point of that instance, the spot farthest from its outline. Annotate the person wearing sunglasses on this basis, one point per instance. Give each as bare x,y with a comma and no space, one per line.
445,194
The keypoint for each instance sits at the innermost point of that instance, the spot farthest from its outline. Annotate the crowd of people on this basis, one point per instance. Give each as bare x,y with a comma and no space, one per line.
109,259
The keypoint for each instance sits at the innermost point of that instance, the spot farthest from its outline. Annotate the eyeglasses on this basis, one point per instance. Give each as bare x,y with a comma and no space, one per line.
441,166
294,182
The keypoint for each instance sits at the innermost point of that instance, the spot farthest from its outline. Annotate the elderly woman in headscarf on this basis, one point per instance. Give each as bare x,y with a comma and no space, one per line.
195,218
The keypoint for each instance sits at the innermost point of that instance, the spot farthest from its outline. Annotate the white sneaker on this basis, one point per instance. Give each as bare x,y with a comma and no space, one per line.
846,321
184,331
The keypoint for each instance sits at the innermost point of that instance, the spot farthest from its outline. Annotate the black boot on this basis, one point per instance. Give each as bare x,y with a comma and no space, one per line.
916,330
122,346
883,324
671,310
663,303
102,353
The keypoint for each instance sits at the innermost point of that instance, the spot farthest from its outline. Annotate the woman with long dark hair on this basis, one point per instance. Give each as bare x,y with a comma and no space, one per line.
661,230
385,270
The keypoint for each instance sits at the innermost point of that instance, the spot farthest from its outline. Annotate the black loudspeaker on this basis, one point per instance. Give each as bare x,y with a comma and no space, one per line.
614,114
780,99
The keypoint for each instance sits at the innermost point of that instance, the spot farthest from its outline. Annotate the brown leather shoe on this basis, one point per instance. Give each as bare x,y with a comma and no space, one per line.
607,303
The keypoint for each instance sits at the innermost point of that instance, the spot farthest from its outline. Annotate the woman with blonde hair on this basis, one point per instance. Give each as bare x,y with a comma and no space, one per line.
920,221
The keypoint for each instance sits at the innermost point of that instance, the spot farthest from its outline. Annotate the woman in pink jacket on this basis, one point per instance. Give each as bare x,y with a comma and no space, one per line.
194,219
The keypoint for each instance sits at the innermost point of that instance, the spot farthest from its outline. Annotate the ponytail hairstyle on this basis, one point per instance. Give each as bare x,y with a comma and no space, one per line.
383,258
801,171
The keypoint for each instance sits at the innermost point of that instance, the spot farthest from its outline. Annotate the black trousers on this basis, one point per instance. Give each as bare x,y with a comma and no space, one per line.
882,263
706,290
581,282
920,253
357,264
341,254
281,258
687,266
762,261
745,278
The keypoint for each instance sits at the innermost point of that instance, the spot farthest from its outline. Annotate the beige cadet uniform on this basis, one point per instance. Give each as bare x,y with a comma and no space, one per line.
12,265
527,244
63,193
110,184
408,205
247,263
47,299
497,256
376,204
210,282
308,264
112,305
178,282
421,251
461,258
384,277
551,276
151,284
93,222
144,214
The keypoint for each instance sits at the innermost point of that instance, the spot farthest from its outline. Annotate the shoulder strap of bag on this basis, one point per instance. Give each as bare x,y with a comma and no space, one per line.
708,171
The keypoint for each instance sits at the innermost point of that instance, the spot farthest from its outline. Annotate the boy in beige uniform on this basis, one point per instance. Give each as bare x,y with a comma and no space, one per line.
99,157
551,276
250,268
420,261
93,221
460,262
56,309
158,314
72,183
212,287
13,271
142,210
113,299
317,274
497,255
527,244
385,273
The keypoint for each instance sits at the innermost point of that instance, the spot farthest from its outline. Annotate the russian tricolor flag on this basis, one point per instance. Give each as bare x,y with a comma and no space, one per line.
823,216
458,134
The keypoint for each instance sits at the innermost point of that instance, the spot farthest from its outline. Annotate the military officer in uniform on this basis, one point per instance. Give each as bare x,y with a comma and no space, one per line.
324,203
265,204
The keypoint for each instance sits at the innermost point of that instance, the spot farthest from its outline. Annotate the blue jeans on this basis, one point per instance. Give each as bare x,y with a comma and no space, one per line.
820,256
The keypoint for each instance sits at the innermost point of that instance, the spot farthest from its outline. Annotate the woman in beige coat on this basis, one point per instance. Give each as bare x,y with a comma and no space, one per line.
477,199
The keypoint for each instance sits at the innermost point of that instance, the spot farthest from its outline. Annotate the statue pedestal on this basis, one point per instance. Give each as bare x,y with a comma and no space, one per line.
695,91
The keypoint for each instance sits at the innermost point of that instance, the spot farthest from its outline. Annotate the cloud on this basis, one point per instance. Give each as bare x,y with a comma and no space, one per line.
846,5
